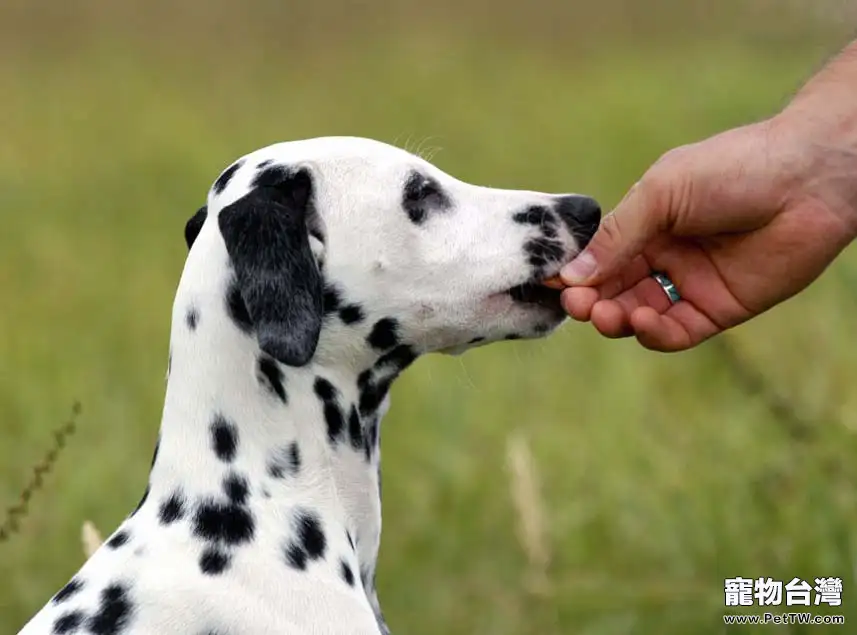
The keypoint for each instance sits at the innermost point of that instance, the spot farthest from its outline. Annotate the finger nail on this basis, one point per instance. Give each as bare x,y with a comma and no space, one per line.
579,269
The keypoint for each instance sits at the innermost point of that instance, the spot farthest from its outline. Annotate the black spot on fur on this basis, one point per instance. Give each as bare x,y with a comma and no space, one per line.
270,373
192,318
172,509
236,489
350,539
364,378
355,428
331,300
367,444
68,623
70,589
397,359
422,195
294,457
213,561
384,335
374,383
224,438
476,340
542,252
351,314
513,336
333,416
265,163
372,394
276,467
114,613
118,539
334,419
311,535
372,434
296,557
324,390
285,460
347,573
540,217
226,176
541,329
228,523
309,542
536,215
237,308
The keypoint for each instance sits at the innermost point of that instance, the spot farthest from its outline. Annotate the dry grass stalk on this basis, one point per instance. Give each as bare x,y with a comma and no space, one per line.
530,512
91,538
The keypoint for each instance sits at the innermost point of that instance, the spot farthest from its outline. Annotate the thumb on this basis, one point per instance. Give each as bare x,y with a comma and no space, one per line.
621,236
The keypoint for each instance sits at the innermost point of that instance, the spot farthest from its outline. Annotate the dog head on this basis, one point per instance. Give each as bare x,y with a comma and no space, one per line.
331,235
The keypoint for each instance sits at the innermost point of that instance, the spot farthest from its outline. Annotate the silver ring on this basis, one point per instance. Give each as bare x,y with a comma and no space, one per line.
667,285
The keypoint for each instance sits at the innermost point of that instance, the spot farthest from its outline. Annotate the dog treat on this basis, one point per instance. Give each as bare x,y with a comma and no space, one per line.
554,282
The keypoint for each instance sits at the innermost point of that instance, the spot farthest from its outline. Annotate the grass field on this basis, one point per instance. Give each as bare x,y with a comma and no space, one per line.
659,476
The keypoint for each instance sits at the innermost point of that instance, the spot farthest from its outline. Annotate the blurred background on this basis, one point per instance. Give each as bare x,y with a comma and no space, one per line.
577,485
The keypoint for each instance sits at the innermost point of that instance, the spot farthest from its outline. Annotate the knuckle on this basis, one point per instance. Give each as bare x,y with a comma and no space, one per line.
611,229
665,189
656,184
675,156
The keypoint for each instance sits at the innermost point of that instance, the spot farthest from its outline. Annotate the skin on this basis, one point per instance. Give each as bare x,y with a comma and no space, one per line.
740,222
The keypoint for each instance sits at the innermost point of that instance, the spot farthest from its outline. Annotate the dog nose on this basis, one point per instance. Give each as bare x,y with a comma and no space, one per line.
577,210
581,215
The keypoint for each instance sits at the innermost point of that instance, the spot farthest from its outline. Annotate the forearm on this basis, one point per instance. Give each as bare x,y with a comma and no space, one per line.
819,125
829,99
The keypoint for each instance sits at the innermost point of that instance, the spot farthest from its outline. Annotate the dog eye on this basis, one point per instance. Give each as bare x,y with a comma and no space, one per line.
428,189
423,194
420,188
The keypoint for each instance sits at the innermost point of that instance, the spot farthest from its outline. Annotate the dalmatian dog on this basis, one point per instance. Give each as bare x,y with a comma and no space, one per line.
317,272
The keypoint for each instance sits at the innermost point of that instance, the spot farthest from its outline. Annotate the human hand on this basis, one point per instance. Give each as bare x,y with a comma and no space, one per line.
740,222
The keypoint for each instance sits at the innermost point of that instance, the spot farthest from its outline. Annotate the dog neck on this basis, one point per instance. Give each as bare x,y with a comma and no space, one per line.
241,428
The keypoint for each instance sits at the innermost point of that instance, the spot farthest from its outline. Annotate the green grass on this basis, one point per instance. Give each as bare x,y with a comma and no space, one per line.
660,475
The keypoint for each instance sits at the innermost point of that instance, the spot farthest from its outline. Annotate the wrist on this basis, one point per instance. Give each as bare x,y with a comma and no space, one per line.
819,126
816,156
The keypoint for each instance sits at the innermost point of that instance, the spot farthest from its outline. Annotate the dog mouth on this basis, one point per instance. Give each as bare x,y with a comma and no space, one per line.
544,292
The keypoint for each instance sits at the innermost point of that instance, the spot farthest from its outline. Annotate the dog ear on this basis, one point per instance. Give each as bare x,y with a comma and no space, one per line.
267,239
192,227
